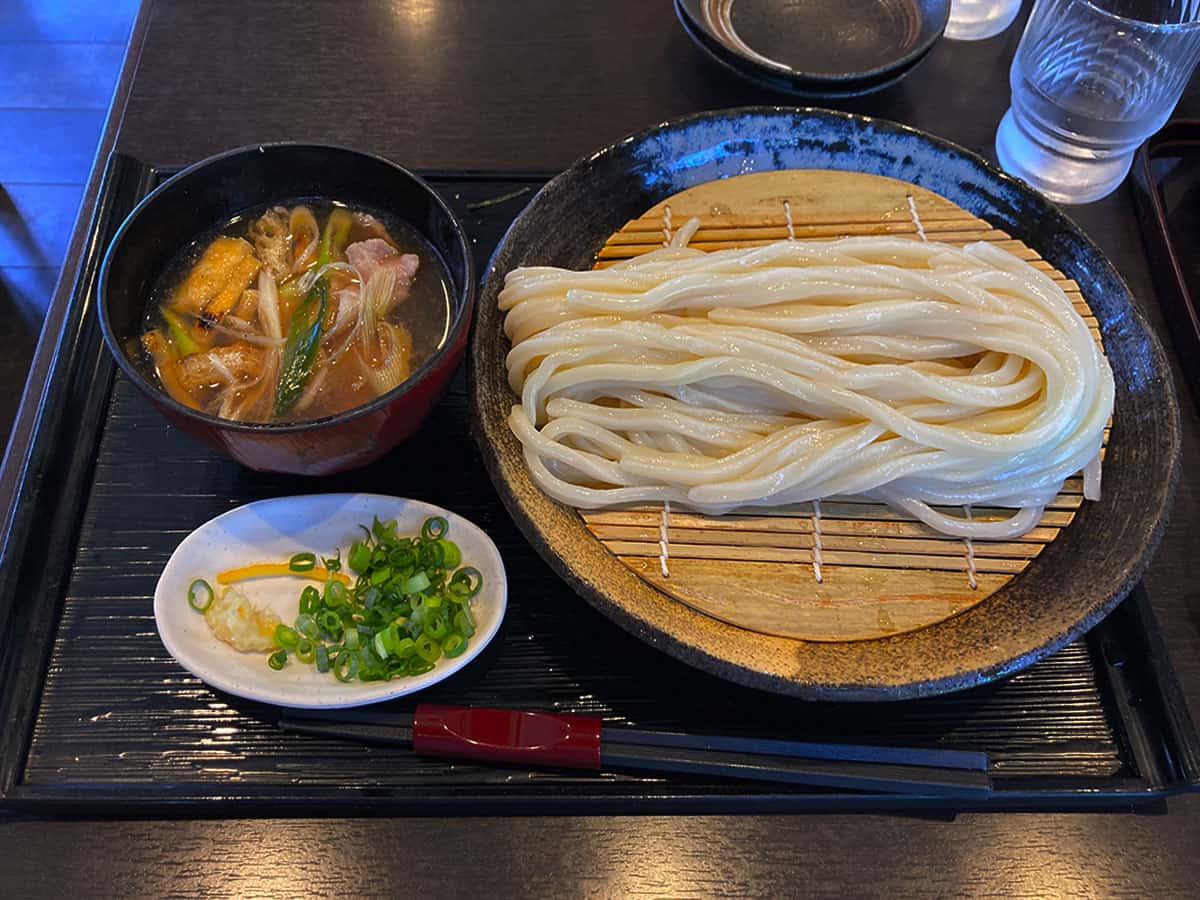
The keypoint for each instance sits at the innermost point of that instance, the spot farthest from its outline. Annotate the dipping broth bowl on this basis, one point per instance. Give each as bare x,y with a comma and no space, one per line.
211,193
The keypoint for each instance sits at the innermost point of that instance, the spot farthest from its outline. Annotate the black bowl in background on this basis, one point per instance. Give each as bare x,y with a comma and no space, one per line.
817,48
211,193
763,76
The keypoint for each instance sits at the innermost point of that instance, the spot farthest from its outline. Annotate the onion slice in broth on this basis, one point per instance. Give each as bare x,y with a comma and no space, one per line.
384,349
374,302
268,305
257,397
303,222
392,365
309,278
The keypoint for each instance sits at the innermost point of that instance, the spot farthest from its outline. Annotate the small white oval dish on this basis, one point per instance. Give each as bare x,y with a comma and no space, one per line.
274,530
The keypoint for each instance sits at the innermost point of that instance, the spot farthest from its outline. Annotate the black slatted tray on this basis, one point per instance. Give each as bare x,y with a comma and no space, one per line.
100,720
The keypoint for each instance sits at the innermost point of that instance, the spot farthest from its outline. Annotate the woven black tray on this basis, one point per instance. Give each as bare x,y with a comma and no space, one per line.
100,720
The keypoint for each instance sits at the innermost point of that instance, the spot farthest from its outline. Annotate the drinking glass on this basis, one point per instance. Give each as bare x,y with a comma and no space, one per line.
974,20
1091,80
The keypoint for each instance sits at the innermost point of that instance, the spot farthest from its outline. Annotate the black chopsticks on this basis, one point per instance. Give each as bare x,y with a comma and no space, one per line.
582,742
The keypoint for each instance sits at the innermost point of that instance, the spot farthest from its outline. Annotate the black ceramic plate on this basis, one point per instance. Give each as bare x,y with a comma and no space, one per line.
816,48
1071,585
783,82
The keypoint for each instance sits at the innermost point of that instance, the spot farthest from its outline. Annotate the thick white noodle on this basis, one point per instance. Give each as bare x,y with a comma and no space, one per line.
916,373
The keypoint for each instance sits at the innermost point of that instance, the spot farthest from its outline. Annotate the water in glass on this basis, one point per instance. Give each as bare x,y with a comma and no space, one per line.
1090,81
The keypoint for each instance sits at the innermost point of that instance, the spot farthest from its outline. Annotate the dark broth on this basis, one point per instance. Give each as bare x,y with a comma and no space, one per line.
425,313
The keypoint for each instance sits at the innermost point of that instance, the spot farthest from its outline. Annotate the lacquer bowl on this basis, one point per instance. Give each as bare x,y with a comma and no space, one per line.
214,191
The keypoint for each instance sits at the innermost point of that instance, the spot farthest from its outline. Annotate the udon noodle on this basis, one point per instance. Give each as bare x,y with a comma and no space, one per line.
918,374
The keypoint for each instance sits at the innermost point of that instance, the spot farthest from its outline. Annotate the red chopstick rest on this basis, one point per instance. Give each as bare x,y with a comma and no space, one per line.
504,735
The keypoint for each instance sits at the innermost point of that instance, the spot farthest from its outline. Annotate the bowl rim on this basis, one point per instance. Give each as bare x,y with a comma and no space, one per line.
455,334
766,63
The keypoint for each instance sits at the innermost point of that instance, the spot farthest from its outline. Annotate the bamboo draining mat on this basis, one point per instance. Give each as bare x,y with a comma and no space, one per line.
881,572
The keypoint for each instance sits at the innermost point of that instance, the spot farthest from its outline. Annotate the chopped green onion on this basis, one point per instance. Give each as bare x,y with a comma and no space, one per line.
300,348
466,581
200,595
463,623
428,649
379,645
335,593
177,328
418,666
307,627
438,628
345,666
360,556
430,556
383,531
451,555
334,236
407,608
435,527
330,622
303,562
401,558
277,660
310,600
416,584
392,637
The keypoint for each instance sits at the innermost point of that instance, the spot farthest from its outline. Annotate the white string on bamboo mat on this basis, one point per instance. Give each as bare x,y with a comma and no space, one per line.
816,515
912,211
968,544
971,579
664,550
816,551
664,522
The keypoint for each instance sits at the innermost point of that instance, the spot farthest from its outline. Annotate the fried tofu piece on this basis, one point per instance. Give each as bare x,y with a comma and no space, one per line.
165,363
232,364
217,281
247,307
157,346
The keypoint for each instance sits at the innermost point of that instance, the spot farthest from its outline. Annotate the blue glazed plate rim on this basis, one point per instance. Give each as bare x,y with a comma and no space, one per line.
883,669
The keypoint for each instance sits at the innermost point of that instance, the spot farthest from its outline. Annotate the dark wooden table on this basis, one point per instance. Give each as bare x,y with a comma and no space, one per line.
531,85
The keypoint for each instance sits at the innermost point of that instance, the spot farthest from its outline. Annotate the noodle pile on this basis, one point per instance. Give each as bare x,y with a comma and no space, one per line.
918,374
